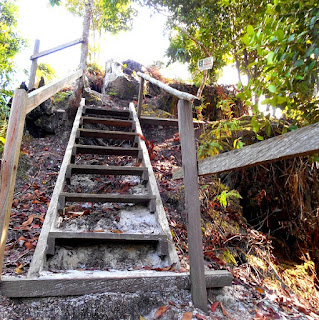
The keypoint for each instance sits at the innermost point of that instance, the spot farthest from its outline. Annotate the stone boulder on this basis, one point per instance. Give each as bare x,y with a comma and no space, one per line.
118,84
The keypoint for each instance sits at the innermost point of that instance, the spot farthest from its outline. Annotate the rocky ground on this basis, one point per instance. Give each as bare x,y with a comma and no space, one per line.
250,296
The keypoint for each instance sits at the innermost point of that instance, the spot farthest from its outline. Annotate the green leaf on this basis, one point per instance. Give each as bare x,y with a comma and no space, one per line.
270,57
2,140
250,30
259,137
272,88
299,63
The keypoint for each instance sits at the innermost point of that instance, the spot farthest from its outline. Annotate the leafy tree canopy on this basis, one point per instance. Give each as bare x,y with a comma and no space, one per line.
10,44
108,15
273,42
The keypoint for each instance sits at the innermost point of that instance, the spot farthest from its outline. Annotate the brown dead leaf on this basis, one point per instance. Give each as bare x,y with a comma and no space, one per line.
260,290
28,245
214,306
225,313
187,316
160,311
200,317
28,222
115,231
19,269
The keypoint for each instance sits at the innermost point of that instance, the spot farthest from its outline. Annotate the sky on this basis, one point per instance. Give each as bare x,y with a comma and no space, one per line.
53,26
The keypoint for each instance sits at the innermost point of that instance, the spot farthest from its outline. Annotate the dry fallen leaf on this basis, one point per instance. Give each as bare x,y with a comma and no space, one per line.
260,290
214,306
199,316
28,222
28,245
225,313
187,316
19,269
160,311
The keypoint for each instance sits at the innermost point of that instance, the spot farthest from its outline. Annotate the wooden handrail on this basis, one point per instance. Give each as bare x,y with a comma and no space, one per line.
55,49
38,96
300,142
179,94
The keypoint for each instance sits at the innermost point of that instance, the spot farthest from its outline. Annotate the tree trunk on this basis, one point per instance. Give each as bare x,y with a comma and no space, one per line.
237,67
72,109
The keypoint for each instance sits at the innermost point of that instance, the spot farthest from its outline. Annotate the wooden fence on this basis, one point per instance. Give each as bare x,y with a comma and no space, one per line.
22,104
189,160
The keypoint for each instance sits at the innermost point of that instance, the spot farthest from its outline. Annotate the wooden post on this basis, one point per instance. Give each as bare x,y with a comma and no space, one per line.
189,159
140,98
9,165
34,65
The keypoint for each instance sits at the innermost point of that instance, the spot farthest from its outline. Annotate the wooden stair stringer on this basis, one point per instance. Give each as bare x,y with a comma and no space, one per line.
38,258
160,212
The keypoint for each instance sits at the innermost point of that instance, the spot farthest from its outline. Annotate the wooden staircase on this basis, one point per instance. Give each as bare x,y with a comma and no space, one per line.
85,247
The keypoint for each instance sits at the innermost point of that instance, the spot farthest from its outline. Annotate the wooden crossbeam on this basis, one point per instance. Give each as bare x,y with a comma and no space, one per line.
300,142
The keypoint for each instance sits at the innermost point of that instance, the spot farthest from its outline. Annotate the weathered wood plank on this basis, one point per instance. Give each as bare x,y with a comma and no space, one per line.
300,142
140,98
38,96
116,151
103,134
153,188
37,55
104,198
128,282
107,236
9,163
106,170
195,245
39,254
106,112
109,122
34,65
179,94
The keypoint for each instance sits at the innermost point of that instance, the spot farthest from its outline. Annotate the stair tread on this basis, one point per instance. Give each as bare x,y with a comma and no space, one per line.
108,121
105,111
92,149
94,133
84,168
119,198
107,236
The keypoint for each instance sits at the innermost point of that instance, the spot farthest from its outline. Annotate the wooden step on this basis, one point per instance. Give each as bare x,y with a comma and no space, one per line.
108,151
108,198
68,285
107,170
103,134
108,122
97,237
125,114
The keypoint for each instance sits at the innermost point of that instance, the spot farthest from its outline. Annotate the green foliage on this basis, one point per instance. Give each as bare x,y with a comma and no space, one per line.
10,44
285,44
225,196
108,15
46,71
3,131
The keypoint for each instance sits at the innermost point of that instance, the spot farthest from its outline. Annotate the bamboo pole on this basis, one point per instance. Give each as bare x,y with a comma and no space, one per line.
195,246
9,165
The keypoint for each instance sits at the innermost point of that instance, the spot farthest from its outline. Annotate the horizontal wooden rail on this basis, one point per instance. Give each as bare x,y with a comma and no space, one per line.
55,49
40,95
179,94
300,142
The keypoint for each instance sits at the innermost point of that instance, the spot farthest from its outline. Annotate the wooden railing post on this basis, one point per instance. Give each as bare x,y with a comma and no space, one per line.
140,98
9,164
34,65
189,160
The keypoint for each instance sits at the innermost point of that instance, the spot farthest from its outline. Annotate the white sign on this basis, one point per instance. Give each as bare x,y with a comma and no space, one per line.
205,64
